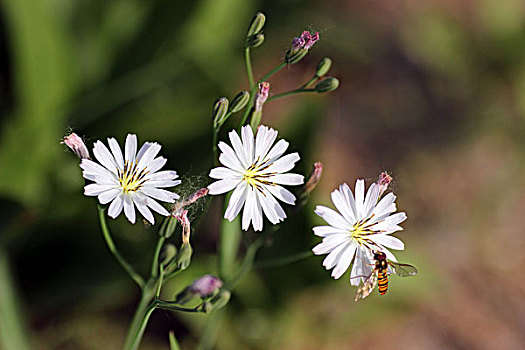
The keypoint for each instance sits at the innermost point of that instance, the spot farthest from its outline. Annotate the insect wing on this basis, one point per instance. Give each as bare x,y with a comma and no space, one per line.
367,287
402,270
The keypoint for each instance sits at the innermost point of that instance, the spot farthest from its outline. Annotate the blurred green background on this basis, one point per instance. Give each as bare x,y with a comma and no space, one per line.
431,91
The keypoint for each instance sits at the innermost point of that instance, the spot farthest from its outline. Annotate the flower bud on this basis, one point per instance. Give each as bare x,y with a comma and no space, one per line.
168,227
184,256
383,181
323,67
169,253
314,177
257,24
327,84
239,101
219,111
218,301
255,40
292,56
75,143
262,95
202,287
309,39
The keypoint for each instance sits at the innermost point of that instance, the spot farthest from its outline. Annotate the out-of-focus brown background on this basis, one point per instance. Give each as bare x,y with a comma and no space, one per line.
431,91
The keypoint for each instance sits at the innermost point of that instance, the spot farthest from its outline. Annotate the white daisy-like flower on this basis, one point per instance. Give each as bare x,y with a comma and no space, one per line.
130,180
256,171
361,226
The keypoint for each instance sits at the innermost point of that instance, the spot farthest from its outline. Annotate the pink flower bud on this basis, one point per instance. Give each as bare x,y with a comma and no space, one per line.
179,206
262,95
205,285
310,40
383,181
297,44
75,143
314,177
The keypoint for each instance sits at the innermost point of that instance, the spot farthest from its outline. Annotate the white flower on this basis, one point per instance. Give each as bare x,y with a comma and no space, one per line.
129,181
255,170
363,225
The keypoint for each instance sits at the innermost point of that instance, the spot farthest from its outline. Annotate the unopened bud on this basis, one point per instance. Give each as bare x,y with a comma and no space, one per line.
169,253
203,287
257,24
239,101
262,95
255,40
292,56
327,84
383,181
220,108
75,143
184,256
168,227
182,217
323,67
218,301
314,177
309,39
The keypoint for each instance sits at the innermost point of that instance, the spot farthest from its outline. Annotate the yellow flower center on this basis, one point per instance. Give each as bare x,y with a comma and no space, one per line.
250,176
130,179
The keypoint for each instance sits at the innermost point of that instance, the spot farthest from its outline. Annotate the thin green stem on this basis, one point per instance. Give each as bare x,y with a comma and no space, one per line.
310,82
283,261
161,304
141,317
289,93
272,72
112,248
249,70
155,262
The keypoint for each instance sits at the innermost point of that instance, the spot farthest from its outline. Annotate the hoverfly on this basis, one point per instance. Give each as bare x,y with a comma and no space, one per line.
379,275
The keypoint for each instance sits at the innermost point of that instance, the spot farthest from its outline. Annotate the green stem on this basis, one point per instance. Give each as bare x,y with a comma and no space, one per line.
155,263
141,317
283,261
289,93
249,69
111,246
170,306
272,72
310,82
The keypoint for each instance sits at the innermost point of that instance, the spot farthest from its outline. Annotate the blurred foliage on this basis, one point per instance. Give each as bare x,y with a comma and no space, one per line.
431,91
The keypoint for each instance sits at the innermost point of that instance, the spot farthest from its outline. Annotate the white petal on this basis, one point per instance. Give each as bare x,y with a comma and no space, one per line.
96,189
223,186
249,209
359,198
277,151
349,198
104,157
344,261
140,203
371,200
362,266
163,175
224,173
281,193
129,209
229,159
131,147
161,195
272,209
388,241
325,231
257,213
287,179
332,217
156,164
156,207
283,164
107,196
115,208
143,150
263,141
236,202
385,205
117,153
148,156
344,208
92,168
239,149
247,141
329,244
331,259
162,184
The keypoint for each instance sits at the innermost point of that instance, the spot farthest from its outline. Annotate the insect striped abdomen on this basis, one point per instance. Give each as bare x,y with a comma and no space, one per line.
382,281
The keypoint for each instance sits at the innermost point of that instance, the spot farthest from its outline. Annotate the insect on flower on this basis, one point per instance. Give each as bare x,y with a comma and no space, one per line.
379,275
